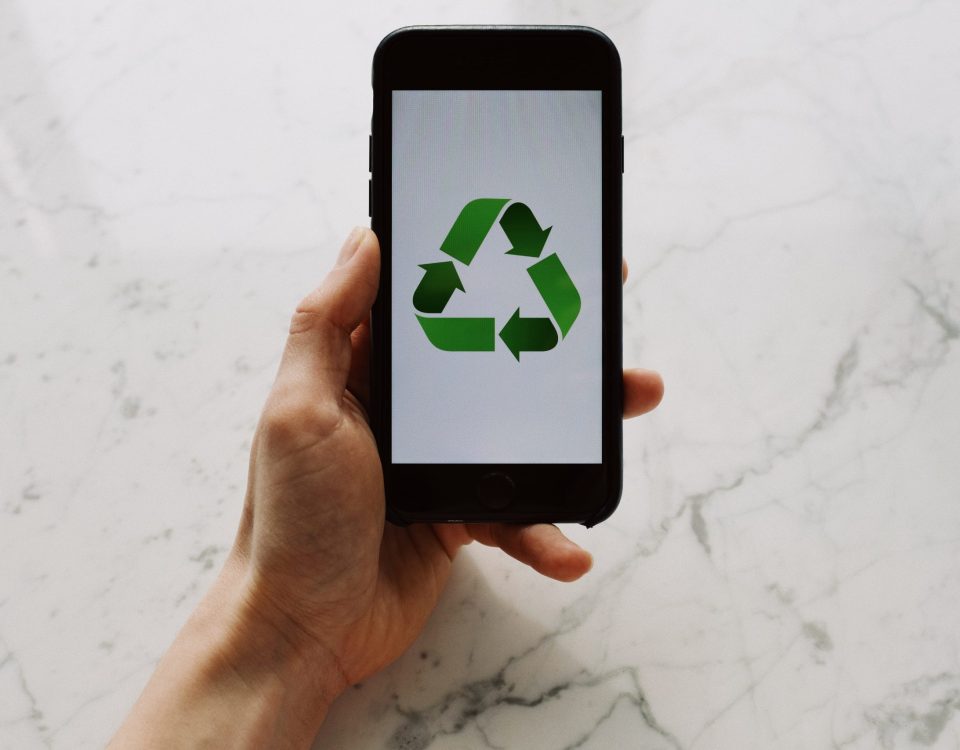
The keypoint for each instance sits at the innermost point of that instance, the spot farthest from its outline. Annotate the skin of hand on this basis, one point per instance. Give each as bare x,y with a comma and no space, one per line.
319,592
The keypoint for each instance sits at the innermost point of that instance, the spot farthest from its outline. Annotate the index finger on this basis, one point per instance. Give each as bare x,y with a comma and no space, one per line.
542,546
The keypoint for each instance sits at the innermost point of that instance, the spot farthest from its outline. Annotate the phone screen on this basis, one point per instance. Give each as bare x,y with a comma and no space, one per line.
496,277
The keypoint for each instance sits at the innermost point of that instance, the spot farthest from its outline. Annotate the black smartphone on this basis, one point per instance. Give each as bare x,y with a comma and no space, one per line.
496,158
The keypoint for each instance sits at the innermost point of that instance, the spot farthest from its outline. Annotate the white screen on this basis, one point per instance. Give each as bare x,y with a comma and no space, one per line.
541,149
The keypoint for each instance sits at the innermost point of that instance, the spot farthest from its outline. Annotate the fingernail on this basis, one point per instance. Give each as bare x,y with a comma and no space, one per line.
350,246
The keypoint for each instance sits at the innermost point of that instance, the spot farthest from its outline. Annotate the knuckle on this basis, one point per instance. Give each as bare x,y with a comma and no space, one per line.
317,312
289,425
305,319
312,311
319,327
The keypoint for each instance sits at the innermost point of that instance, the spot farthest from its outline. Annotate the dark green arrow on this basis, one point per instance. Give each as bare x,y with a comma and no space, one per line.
460,334
523,230
436,287
528,334
467,233
557,290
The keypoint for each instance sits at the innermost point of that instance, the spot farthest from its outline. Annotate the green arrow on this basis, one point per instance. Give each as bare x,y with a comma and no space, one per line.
528,334
557,290
460,334
467,233
436,287
523,230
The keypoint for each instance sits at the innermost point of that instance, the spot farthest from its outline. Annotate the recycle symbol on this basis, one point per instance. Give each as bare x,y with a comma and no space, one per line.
549,276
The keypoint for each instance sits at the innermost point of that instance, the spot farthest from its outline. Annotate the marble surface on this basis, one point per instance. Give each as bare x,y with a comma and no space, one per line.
784,569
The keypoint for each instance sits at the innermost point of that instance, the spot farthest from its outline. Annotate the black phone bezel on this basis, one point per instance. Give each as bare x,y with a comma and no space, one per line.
501,57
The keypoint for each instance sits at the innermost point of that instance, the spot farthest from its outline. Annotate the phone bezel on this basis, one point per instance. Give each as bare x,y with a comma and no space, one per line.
500,57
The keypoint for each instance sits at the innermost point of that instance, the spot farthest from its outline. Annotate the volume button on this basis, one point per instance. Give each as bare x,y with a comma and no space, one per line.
370,153
623,153
370,197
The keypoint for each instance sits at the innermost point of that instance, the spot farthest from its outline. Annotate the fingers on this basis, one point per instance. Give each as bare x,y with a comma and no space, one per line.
642,391
541,546
317,358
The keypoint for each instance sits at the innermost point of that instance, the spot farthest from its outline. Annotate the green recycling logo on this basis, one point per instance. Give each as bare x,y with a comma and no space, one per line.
441,280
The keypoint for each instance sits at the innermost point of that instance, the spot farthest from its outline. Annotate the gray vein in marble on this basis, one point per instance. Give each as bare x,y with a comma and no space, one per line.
818,635
728,223
143,58
918,711
35,715
638,698
207,557
879,24
747,691
469,702
951,329
466,703
101,216
830,409
833,406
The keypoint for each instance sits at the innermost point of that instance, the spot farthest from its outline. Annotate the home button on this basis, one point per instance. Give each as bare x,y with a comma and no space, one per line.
495,490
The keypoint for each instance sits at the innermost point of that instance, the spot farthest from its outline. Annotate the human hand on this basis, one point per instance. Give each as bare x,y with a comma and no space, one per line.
318,591
323,564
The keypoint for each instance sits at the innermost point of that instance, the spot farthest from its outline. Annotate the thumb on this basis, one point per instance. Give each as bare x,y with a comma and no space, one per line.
316,359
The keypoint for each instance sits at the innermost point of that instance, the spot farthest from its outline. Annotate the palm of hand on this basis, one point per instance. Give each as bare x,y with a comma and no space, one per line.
342,576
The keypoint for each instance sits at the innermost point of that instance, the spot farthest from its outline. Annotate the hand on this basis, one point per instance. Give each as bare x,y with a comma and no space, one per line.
315,571
323,562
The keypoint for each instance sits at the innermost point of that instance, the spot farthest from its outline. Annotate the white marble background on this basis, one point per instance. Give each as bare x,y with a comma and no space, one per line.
784,569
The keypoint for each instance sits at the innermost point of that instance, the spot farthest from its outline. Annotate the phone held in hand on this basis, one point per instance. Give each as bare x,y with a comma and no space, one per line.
496,158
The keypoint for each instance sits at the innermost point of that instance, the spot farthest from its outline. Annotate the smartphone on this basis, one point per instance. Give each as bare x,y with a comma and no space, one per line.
496,158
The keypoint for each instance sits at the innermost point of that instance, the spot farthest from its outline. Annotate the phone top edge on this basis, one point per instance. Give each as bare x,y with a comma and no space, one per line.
395,47
466,28
565,30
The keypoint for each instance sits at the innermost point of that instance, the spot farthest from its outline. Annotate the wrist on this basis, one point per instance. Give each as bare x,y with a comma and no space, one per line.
234,678
293,680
